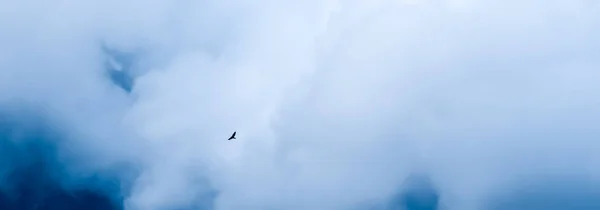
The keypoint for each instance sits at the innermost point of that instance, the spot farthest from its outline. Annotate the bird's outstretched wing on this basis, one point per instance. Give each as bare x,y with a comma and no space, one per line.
232,136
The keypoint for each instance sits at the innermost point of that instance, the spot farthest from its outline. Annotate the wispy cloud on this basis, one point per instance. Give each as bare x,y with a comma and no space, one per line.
335,102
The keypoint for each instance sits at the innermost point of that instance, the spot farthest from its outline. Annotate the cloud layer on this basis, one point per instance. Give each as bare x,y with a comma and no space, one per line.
335,103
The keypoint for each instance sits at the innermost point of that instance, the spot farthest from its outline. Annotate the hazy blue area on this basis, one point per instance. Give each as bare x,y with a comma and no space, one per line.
33,178
337,105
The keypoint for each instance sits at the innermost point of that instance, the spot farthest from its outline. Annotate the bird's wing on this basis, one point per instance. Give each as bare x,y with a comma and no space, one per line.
234,133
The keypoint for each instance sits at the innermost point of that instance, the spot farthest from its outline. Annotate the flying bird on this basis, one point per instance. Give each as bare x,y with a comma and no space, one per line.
232,136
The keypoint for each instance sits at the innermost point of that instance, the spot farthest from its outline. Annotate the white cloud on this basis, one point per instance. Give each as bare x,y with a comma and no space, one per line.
334,101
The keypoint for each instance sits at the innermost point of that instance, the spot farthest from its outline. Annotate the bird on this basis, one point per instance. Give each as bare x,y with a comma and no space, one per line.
232,136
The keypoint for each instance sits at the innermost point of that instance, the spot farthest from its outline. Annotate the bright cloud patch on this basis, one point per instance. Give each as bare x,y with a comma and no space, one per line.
337,105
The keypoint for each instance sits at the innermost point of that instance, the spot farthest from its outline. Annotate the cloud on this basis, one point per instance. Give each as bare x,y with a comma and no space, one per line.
335,102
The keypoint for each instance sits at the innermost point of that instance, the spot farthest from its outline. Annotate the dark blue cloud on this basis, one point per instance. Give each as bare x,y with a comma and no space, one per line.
34,176
119,67
417,193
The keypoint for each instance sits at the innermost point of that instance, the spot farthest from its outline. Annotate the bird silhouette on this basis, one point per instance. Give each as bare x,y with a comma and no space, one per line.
232,136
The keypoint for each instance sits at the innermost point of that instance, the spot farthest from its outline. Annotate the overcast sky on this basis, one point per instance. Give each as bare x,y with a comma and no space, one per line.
335,103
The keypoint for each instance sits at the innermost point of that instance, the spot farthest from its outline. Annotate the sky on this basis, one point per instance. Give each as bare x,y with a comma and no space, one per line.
337,104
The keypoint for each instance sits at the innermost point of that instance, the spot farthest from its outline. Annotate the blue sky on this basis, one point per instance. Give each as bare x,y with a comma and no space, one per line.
336,103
